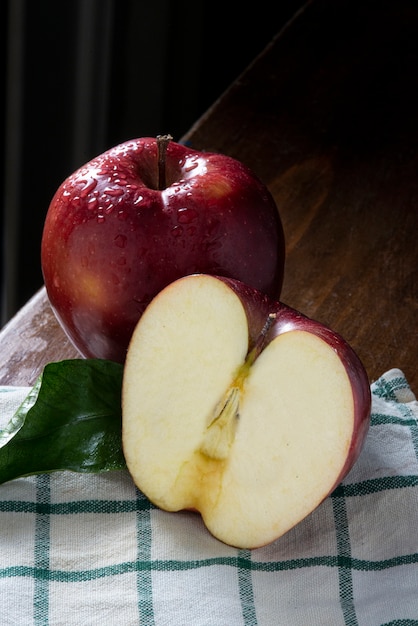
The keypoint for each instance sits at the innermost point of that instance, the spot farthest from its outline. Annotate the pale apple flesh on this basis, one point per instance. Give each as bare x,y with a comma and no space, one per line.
252,434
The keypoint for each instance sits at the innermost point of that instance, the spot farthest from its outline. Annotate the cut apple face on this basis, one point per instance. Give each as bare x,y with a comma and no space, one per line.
254,437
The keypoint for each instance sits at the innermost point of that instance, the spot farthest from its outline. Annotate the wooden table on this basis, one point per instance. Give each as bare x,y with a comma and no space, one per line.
327,116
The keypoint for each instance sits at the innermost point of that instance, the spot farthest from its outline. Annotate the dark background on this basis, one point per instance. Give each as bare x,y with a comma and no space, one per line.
82,75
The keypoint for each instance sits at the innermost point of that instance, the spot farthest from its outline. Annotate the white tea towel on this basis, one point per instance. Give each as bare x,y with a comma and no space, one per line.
91,550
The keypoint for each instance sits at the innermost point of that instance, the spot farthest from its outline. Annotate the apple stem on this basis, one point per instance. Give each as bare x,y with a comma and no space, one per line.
162,144
261,339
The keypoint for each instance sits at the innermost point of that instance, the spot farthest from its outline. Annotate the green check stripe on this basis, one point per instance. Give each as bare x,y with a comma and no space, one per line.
383,388
388,390
380,419
142,504
345,576
245,584
144,540
409,417
77,506
337,561
375,485
414,437
402,622
42,527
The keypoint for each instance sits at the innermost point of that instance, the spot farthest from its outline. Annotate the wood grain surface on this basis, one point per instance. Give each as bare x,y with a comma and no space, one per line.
327,116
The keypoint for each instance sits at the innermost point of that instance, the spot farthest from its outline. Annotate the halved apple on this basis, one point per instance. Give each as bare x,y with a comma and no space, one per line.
240,408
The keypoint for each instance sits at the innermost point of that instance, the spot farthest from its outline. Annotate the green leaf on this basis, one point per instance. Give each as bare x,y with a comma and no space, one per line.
71,420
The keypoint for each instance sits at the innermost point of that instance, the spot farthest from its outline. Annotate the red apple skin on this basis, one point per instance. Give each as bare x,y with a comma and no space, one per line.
112,239
258,307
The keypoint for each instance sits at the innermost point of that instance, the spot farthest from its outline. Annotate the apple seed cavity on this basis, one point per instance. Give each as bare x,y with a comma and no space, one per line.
220,433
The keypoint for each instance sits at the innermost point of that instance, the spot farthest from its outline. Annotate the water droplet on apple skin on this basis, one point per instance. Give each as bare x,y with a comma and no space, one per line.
191,164
92,204
120,240
176,231
114,193
76,201
186,215
90,185
108,208
213,246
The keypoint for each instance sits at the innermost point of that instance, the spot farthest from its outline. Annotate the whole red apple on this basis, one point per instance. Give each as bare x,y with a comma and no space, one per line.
141,215
264,411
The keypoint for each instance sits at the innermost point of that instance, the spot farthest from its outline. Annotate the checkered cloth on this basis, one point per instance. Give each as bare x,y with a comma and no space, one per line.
91,550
